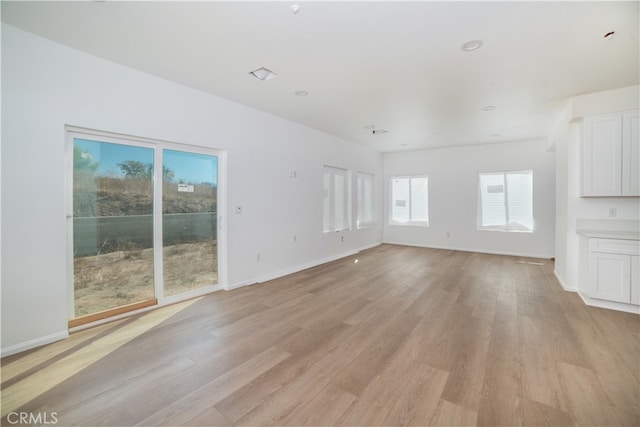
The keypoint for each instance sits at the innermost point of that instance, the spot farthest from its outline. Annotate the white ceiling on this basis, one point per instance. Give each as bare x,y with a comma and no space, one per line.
395,65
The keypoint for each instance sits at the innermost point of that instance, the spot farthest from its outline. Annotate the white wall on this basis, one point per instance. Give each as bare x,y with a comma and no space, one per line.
46,85
453,198
567,136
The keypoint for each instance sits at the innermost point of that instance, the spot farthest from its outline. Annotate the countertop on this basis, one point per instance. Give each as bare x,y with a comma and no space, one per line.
610,234
623,229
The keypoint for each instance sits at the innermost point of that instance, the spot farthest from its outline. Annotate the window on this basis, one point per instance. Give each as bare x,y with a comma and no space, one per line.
409,201
336,200
505,201
366,201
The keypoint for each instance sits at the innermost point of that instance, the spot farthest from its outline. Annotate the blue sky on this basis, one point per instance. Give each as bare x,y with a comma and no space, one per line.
187,167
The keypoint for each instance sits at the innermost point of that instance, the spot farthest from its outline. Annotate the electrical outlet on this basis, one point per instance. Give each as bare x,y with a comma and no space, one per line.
258,257
238,210
613,212
295,238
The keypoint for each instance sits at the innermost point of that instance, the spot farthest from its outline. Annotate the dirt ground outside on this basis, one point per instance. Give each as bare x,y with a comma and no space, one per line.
110,280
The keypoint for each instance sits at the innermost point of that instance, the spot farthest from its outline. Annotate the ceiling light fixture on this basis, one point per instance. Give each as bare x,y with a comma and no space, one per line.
609,35
263,73
471,45
301,93
489,107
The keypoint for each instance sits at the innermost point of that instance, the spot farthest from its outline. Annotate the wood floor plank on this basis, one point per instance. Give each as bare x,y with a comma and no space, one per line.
485,306
503,384
419,398
371,360
586,401
204,397
446,345
538,414
383,390
325,409
613,355
542,382
282,404
450,414
466,375
403,336
210,417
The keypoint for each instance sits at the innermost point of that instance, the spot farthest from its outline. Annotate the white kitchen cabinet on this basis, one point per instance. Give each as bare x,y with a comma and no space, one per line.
631,154
611,155
613,270
635,280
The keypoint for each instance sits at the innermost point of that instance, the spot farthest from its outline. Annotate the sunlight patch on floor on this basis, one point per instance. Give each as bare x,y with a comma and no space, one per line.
25,390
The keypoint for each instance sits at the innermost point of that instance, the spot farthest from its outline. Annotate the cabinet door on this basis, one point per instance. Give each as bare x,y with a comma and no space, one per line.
610,277
602,156
631,154
635,280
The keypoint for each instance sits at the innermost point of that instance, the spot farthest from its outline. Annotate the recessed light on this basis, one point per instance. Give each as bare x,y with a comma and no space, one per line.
379,131
263,73
301,93
609,35
489,107
471,45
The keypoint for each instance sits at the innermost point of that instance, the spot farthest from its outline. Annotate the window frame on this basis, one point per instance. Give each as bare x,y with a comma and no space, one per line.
505,228
411,222
331,199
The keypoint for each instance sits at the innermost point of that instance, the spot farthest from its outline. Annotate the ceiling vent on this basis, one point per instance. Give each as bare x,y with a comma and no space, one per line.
263,73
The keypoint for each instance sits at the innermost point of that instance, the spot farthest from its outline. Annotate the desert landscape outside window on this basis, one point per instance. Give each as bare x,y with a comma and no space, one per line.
119,257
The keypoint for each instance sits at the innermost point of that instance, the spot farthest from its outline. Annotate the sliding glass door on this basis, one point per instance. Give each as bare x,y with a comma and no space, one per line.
189,212
142,224
112,225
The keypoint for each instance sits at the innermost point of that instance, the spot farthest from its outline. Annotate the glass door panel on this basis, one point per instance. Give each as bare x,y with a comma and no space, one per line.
112,226
189,231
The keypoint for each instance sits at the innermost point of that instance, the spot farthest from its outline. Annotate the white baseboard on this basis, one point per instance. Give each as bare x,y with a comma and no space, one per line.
564,285
480,251
298,268
611,305
594,302
37,342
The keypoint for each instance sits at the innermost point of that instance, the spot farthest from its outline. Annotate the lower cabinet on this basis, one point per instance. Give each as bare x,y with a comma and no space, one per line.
614,270
635,280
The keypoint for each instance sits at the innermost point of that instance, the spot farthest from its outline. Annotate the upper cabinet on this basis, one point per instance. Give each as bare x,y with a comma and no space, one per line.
611,155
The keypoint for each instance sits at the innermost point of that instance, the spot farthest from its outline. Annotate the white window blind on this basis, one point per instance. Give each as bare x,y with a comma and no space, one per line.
505,201
409,201
366,201
336,200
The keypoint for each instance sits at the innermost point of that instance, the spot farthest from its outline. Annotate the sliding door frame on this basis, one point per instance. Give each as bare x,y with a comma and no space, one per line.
158,146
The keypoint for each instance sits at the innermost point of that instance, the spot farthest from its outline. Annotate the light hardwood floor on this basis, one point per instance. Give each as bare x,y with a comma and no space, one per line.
392,336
